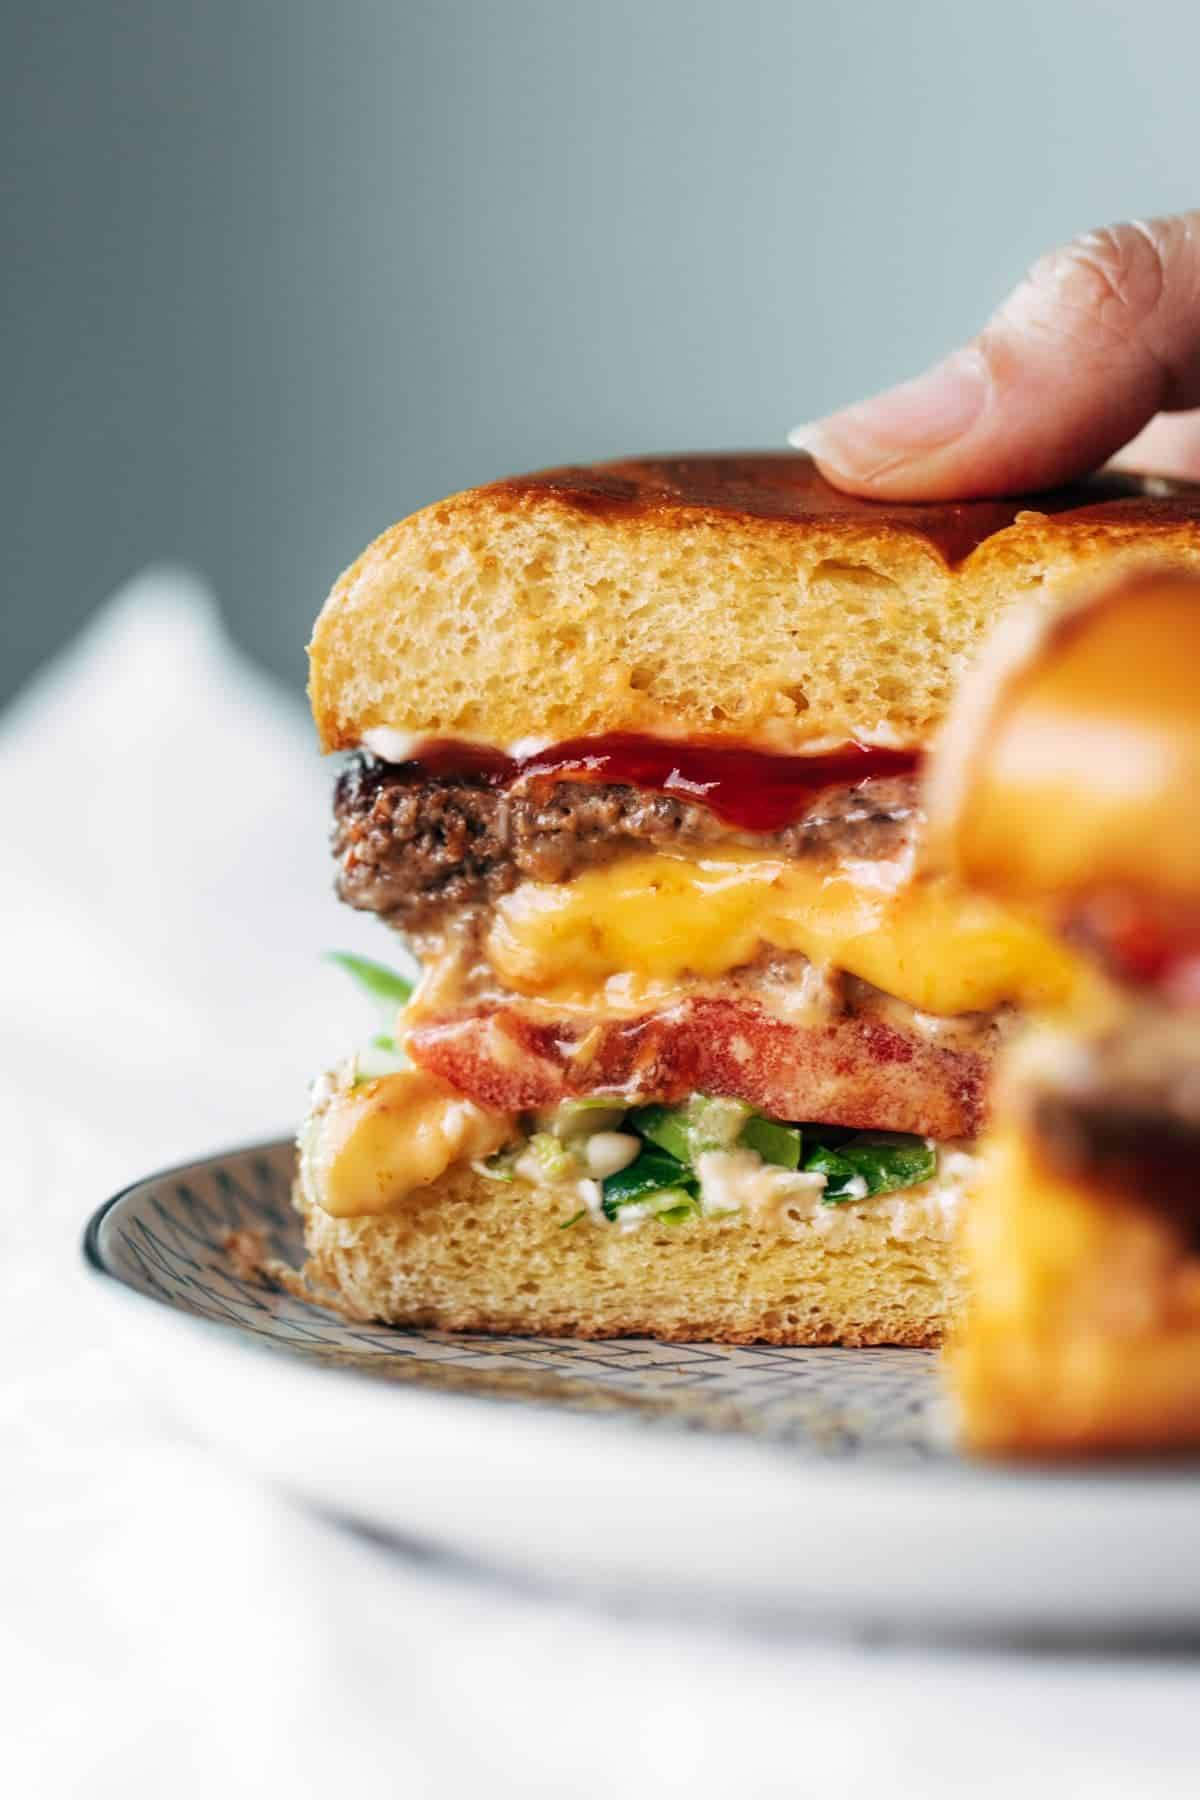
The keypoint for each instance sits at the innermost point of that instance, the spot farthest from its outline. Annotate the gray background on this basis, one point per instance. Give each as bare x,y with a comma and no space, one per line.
277,272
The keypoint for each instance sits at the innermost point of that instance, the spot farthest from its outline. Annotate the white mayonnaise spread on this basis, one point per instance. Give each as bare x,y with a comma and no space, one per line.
791,1203
391,745
739,1181
607,1152
788,1203
738,1185
591,1193
394,746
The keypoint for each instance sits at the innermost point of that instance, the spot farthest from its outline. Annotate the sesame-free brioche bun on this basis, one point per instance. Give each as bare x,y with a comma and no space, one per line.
469,1254
1070,764
735,596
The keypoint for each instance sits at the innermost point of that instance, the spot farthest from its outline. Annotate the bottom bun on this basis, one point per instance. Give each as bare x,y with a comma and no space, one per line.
471,1254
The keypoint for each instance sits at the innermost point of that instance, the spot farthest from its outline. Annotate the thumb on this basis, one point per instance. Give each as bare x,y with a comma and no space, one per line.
1170,445
1098,338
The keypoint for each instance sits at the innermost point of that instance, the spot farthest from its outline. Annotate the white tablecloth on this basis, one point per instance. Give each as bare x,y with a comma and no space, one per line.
166,1626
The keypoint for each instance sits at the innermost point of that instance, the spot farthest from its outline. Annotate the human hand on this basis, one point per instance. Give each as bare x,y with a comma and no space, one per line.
1096,352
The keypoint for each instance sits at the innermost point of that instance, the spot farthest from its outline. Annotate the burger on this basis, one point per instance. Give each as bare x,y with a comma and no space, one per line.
699,1048
1069,783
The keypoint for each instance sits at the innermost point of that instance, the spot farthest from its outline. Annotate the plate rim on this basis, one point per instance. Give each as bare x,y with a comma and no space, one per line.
954,1471
494,1409
937,1547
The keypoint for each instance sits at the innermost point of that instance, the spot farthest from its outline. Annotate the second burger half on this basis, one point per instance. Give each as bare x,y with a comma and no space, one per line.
698,1049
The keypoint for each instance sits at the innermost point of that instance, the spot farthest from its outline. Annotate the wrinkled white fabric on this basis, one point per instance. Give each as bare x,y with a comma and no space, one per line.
166,1625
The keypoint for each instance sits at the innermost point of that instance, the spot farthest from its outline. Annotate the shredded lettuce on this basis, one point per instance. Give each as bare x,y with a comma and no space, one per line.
383,984
678,1213
580,1118
653,1172
714,1124
664,1126
866,1163
498,1166
661,1181
556,1160
685,1132
671,1204
890,1160
842,1180
775,1142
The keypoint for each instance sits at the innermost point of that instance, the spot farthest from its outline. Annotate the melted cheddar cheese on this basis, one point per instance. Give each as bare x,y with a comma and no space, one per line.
658,917
366,1149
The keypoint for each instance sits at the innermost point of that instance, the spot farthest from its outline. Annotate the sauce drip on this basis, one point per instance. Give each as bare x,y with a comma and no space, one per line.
749,789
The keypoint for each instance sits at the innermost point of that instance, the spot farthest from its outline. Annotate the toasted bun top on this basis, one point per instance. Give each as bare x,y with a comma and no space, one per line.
734,596
1070,765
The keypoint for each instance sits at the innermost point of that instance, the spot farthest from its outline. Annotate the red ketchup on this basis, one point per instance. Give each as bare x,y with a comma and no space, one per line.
1144,942
752,790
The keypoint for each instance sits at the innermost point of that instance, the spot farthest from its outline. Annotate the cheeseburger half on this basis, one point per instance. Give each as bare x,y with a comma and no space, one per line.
698,1049
1069,783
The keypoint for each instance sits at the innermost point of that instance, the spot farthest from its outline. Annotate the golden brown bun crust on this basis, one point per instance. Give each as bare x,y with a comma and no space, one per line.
734,596
1082,1335
1071,761
477,1255
786,488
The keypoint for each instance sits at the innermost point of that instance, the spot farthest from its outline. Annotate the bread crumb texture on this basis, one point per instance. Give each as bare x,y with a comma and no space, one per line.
507,613
477,1255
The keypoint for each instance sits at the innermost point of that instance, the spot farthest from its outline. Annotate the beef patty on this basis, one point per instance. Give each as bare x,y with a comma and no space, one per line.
414,848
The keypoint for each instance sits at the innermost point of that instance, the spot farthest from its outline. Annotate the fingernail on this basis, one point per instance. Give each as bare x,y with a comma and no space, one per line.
906,421
808,437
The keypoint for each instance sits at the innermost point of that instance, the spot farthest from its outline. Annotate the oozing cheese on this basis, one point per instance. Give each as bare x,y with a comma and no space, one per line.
366,1149
925,940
